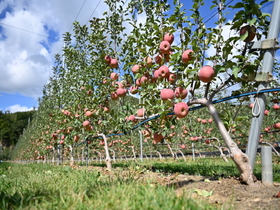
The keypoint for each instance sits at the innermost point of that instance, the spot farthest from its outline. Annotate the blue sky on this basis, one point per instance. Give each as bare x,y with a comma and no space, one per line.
31,34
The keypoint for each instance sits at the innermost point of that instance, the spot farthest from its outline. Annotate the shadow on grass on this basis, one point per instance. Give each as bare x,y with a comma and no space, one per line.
21,200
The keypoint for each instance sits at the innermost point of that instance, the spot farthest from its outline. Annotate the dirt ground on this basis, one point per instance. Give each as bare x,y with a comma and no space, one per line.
226,193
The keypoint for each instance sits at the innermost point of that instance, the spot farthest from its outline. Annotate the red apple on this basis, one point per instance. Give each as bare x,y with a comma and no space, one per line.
114,96
251,32
276,125
183,146
164,47
114,63
135,69
159,59
276,107
168,37
172,78
106,109
132,118
166,94
107,59
181,109
187,56
121,92
163,71
203,121
206,74
157,137
266,112
181,93
140,112
88,113
114,76
86,123
76,138
148,61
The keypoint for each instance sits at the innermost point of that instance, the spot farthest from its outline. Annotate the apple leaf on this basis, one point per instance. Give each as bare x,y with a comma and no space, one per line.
235,71
244,36
239,118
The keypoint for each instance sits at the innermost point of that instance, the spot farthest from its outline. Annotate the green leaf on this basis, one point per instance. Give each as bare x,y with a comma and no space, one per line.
239,118
244,36
238,5
235,71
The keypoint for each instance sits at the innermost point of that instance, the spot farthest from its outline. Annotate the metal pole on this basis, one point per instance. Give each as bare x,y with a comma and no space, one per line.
141,146
193,154
259,107
267,175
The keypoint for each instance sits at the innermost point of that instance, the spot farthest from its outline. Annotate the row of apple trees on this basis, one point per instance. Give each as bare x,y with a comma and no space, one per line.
120,71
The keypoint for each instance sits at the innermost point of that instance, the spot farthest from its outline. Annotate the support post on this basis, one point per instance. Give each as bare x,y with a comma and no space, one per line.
267,173
267,66
141,146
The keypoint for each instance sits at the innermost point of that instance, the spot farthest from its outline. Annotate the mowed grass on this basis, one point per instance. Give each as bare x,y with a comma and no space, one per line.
43,186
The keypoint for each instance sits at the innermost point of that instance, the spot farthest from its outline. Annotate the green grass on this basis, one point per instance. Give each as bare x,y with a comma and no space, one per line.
42,186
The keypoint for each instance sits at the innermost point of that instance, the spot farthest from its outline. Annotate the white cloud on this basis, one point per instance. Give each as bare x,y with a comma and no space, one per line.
18,108
27,58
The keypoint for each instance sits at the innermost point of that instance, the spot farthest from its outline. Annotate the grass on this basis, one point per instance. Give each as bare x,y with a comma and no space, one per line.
43,186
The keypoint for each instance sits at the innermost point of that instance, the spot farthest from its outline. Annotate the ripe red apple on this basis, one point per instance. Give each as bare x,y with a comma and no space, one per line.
114,76
276,125
144,80
168,37
159,59
183,146
121,92
181,109
266,112
148,61
187,56
210,120
76,138
164,47
135,69
132,118
181,93
207,141
106,109
206,74
114,96
276,107
166,94
140,112
88,113
203,121
172,78
251,105
251,30
86,123
107,59
158,137
114,63
163,71
138,82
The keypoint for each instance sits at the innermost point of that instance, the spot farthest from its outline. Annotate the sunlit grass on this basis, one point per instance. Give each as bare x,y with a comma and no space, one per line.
42,186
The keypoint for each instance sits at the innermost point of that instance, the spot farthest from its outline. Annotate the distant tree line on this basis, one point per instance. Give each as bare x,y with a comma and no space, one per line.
12,126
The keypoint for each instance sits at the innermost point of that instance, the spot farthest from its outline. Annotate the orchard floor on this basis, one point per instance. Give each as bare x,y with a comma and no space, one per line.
227,193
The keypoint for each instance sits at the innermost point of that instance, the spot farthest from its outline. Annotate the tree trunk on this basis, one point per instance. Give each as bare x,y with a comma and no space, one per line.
108,158
71,156
240,159
170,149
